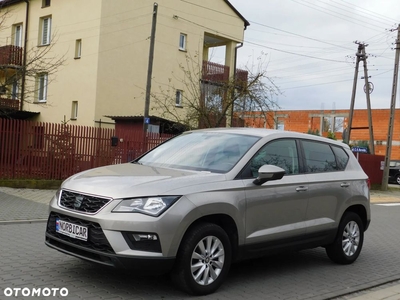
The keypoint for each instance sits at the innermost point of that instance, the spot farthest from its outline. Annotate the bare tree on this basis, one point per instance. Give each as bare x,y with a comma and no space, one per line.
200,97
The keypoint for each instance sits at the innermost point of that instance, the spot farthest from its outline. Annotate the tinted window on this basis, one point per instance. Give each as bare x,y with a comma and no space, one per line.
319,157
341,157
281,153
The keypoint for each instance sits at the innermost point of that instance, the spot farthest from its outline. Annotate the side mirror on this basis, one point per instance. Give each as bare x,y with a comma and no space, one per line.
267,173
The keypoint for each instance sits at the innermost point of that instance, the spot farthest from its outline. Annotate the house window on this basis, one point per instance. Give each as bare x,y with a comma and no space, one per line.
45,3
182,42
178,101
17,35
45,30
78,48
14,90
74,112
41,82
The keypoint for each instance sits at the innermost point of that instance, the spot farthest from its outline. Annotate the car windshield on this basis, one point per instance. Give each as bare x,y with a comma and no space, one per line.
200,151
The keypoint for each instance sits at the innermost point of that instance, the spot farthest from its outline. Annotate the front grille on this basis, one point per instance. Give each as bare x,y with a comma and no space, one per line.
83,203
96,238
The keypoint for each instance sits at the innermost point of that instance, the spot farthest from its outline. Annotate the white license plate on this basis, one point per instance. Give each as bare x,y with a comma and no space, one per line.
72,230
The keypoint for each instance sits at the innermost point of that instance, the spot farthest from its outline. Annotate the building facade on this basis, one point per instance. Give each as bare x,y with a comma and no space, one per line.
334,122
99,52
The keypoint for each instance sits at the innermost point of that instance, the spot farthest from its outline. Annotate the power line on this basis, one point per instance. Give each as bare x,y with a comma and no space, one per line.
348,19
299,35
369,11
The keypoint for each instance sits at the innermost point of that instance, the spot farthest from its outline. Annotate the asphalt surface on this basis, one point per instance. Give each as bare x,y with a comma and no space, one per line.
27,264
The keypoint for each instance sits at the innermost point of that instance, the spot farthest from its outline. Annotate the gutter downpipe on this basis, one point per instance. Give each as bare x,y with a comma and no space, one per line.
234,79
24,58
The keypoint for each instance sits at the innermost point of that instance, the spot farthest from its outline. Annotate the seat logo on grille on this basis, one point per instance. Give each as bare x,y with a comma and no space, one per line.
78,201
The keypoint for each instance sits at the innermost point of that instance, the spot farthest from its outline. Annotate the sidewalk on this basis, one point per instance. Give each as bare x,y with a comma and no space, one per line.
29,205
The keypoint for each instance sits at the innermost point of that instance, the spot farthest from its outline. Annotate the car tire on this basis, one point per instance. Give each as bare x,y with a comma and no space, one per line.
203,259
398,179
349,240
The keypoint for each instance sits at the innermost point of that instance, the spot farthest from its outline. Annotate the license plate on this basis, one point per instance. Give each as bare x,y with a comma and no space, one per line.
72,230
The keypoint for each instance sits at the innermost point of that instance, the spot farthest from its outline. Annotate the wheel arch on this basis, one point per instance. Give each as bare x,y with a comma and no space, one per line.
362,212
226,222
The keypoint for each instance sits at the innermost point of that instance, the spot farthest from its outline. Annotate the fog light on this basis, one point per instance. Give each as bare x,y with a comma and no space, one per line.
144,237
142,241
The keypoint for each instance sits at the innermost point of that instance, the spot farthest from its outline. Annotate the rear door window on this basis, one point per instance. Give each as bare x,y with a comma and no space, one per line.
319,157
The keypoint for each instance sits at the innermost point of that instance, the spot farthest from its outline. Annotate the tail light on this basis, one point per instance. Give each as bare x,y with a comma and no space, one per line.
369,183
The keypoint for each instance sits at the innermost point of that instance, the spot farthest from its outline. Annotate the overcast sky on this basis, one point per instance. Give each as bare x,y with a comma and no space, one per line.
310,51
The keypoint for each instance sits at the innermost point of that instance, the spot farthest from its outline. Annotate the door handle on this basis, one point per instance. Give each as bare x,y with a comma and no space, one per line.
301,189
344,184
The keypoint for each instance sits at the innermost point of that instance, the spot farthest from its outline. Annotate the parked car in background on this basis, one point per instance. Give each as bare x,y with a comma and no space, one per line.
207,198
394,174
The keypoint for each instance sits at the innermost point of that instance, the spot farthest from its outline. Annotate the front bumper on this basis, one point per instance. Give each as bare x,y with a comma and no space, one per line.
150,266
98,249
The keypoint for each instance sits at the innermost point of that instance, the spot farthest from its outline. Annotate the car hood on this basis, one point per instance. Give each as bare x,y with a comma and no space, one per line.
134,180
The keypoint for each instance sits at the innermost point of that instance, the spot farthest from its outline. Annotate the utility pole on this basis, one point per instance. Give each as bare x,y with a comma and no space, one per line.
353,95
392,113
146,119
367,93
361,55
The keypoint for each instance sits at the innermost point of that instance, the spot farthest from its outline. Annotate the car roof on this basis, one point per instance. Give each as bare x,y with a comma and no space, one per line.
263,132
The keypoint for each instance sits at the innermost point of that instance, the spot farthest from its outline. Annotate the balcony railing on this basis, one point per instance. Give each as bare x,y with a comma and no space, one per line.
217,73
10,56
9,103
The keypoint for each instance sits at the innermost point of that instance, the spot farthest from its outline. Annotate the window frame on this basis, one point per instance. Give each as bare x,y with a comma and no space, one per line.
46,3
15,90
74,110
45,35
178,98
182,41
42,81
78,49
14,33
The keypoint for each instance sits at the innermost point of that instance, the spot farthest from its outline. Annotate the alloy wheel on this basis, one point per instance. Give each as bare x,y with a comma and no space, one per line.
351,238
207,261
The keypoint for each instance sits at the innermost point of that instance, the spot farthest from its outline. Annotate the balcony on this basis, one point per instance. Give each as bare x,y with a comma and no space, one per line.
217,73
10,56
10,104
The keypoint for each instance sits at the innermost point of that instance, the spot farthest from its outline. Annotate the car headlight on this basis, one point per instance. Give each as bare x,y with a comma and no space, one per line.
153,206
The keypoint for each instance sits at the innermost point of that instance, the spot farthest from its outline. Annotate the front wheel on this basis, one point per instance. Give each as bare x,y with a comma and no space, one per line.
203,260
349,240
398,179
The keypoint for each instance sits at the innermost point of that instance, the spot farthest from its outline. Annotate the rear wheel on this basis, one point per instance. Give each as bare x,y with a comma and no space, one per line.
203,259
398,179
349,240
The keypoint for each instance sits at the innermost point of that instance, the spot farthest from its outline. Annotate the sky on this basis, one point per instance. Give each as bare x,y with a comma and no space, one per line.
308,49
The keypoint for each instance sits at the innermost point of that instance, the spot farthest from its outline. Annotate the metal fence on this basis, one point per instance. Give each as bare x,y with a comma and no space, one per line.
34,150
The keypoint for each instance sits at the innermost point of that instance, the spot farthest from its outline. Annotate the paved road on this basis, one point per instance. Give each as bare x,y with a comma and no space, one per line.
25,262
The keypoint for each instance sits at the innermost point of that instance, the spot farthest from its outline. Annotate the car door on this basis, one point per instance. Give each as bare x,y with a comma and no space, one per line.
329,185
275,210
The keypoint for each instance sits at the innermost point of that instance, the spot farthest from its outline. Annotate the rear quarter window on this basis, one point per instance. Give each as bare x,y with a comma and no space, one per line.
341,157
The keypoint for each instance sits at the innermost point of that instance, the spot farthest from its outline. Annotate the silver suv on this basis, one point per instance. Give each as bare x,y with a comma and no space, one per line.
207,198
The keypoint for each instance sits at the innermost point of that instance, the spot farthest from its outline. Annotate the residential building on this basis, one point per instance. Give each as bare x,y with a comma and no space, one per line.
97,55
334,121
